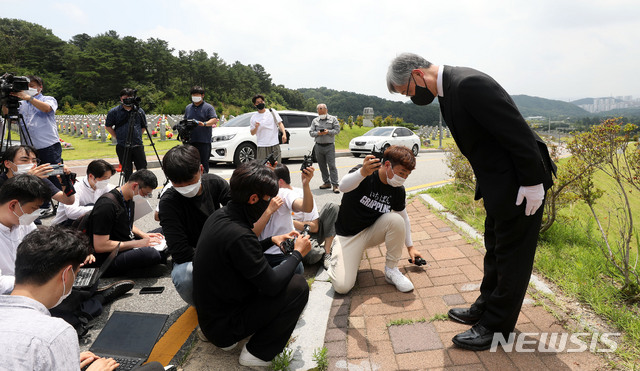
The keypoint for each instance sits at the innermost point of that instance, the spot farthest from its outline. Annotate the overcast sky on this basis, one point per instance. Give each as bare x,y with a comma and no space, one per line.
553,49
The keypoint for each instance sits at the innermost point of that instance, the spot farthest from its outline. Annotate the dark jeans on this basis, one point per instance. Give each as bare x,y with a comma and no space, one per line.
511,247
51,155
205,154
134,156
129,260
271,320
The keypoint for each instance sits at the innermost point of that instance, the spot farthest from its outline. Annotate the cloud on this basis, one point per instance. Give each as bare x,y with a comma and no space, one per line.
72,11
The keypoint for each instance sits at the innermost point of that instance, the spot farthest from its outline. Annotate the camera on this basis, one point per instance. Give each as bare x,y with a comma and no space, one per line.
184,129
418,261
271,160
132,101
306,162
379,154
12,84
289,244
58,169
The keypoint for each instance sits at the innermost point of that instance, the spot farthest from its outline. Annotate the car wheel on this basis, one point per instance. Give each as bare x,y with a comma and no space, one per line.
245,152
415,150
355,154
384,148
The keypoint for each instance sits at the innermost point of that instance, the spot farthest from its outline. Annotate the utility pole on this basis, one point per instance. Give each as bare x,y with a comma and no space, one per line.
440,130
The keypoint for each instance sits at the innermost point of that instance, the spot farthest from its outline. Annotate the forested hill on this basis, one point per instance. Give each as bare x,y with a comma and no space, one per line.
88,72
535,106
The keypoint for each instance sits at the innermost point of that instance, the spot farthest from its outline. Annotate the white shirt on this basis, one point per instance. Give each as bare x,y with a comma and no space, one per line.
281,221
301,216
6,283
31,339
267,134
10,238
85,195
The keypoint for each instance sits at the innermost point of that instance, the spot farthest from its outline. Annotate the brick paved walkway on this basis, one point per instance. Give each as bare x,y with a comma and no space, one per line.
358,336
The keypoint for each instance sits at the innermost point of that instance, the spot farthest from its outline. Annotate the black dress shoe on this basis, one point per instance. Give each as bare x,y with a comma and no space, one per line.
115,290
476,338
468,316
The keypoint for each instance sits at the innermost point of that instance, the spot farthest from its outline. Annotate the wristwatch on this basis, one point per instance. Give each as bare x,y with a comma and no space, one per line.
32,98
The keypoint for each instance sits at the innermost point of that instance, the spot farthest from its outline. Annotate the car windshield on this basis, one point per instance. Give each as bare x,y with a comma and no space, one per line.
239,121
379,132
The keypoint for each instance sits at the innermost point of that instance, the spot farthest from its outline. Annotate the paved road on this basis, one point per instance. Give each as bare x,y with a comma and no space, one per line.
430,170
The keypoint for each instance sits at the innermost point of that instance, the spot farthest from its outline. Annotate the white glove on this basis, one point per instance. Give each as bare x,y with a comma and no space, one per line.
534,195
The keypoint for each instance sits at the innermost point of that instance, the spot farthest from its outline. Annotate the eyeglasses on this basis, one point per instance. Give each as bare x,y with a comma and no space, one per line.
406,92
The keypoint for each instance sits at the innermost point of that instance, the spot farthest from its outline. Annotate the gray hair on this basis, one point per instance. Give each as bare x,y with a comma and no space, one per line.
401,67
321,105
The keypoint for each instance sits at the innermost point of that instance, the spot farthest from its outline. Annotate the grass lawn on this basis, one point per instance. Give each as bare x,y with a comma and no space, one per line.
91,149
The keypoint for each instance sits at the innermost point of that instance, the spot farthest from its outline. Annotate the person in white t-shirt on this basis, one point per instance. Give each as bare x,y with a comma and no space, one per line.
264,125
277,219
88,190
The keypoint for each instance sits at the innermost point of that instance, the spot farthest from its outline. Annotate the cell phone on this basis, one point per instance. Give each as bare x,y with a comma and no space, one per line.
152,290
58,169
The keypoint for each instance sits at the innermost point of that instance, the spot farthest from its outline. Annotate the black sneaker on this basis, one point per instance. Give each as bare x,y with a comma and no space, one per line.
115,290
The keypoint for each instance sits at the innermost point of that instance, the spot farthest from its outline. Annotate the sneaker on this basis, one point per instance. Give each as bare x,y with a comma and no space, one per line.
201,335
248,359
325,186
394,277
230,347
326,262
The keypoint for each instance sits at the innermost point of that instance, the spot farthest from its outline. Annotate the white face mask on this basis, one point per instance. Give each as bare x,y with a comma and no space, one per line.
26,219
196,99
64,287
102,184
323,117
22,169
32,92
190,190
396,181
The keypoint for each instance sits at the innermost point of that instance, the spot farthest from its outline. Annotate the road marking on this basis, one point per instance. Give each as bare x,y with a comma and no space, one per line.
429,184
170,343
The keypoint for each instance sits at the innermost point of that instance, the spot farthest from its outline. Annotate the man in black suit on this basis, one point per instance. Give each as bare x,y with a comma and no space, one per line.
513,170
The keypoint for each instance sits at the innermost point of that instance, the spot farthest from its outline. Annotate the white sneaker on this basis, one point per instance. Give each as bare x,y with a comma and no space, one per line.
201,334
248,359
326,261
394,277
230,347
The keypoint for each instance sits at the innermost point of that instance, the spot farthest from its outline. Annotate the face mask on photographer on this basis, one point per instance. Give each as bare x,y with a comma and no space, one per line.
196,98
22,168
260,106
26,219
396,180
255,211
102,184
64,287
32,92
190,190
323,117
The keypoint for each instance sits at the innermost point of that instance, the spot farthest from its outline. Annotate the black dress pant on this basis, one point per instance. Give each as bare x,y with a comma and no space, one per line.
129,261
135,156
270,319
205,154
511,247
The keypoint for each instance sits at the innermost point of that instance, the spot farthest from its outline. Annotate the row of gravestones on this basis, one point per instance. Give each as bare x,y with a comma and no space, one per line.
92,126
432,131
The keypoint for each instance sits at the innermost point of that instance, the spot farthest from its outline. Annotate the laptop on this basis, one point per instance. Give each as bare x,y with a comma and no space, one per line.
87,277
129,337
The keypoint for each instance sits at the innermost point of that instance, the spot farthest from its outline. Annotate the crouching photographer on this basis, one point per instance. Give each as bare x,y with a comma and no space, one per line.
235,291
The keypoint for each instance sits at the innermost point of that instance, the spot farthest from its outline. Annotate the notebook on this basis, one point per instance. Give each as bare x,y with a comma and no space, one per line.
87,277
129,337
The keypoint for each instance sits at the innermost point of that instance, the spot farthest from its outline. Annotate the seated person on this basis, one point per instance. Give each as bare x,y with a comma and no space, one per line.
88,189
277,220
22,159
373,211
235,291
29,337
185,207
20,199
322,230
111,223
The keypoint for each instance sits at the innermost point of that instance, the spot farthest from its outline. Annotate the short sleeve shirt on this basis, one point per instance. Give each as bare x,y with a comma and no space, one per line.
118,119
204,113
114,220
361,207
42,126
281,221
267,134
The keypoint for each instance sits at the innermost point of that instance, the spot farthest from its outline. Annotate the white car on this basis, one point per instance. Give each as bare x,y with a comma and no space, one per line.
232,142
382,137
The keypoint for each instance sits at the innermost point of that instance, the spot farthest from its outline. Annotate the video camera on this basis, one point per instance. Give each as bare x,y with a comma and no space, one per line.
271,159
184,129
133,100
289,244
306,162
12,84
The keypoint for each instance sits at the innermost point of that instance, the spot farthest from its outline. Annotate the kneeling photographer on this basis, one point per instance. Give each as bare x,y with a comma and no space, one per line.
235,291
205,116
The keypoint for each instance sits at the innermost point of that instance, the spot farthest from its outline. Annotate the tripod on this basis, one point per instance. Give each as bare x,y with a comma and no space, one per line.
16,119
126,158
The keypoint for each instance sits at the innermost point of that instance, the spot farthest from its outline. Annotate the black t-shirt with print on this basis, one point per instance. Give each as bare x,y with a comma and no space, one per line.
361,207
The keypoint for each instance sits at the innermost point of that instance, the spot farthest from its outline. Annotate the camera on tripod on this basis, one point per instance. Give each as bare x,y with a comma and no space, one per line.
12,84
184,129
289,244
132,101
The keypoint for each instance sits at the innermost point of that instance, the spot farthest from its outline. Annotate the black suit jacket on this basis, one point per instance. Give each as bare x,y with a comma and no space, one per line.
492,134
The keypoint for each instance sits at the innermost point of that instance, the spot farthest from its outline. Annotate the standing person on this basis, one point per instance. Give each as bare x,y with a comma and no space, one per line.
513,170
117,124
206,116
39,112
324,129
265,125
236,293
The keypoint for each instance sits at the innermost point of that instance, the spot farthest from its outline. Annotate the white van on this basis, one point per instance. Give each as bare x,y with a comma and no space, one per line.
232,142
